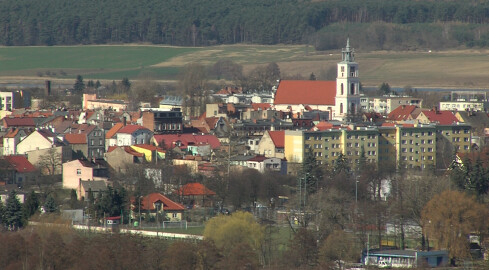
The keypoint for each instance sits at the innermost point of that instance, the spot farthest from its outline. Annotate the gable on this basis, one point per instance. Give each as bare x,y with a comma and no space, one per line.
306,92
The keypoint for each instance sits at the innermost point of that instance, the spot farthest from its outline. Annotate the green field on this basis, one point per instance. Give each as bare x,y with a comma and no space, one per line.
457,69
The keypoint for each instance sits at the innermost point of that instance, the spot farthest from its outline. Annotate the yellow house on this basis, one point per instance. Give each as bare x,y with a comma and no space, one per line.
149,151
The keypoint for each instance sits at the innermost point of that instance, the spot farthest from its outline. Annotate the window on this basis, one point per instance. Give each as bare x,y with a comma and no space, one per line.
430,157
430,149
174,215
78,171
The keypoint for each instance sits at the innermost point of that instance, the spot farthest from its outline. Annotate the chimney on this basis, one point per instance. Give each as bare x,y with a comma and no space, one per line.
47,88
435,109
124,121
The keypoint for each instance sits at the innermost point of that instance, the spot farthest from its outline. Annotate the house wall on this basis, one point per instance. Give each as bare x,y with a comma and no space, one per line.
35,141
294,146
119,159
73,171
267,148
96,144
138,137
62,154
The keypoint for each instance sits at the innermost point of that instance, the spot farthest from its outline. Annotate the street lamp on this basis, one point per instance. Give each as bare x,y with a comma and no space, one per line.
356,191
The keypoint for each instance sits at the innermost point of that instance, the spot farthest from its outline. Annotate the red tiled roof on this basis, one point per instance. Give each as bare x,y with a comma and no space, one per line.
186,139
147,203
258,158
278,138
440,117
129,129
321,126
401,113
20,163
306,92
19,122
261,106
113,130
194,189
76,138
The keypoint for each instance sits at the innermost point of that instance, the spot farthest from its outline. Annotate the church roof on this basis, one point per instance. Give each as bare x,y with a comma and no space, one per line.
309,92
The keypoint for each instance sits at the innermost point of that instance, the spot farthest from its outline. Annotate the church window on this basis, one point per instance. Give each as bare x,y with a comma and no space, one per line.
352,71
353,108
342,69
352,89
341,89
341,107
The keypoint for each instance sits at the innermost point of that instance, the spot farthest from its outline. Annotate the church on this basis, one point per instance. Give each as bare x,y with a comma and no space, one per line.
340,98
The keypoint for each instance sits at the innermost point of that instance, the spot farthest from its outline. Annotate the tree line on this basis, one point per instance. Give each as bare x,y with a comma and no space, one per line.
190,23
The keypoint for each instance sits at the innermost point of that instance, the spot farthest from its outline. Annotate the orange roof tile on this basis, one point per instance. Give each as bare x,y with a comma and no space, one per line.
194,189
401,113
76,138
306,92
113,130
147,203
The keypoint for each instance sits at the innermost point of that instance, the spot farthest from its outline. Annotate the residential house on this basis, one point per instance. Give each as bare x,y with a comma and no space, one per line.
170,141
88,142
437,116
37,140
91,102
263,164
196,194
156,203
11,139
18,122
93,186
151,153
24,172
403,113
79,169
120,158
272,144
110,136
133,134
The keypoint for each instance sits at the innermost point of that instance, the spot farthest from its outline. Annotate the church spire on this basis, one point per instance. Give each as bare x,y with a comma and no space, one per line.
347,53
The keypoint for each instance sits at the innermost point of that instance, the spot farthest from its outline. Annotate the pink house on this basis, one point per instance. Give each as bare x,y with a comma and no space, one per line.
76,170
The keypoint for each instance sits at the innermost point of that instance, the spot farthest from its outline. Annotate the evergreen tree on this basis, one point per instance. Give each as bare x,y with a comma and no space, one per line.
97,84
50,205
31,204
311,172
341,165
312,77
384,89
73,199
13,215
79,85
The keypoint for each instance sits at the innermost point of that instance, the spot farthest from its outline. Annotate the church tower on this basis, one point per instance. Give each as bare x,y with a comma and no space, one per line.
347,99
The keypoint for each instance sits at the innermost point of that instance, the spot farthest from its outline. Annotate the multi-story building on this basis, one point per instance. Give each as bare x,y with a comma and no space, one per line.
10,100
162,121
417,146
387,104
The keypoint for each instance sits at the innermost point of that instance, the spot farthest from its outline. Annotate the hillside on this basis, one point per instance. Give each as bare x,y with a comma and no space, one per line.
375,24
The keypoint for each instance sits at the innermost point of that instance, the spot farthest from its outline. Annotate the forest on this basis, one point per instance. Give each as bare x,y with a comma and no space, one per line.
376,24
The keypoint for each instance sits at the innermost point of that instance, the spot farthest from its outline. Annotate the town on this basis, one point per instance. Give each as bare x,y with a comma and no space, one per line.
358,178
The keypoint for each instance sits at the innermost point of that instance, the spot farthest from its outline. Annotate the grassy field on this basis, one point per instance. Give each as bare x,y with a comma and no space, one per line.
455,69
